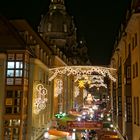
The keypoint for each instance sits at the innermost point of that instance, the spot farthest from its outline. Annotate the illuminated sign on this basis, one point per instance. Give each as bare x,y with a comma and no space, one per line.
84,125
39,98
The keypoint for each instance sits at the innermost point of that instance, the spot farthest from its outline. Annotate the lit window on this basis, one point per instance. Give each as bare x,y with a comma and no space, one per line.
11,65
9,101
19,65
10,81
10,73
16,122
18,73
18,81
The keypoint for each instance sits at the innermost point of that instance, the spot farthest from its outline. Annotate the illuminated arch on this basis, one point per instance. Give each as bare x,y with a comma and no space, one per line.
83,70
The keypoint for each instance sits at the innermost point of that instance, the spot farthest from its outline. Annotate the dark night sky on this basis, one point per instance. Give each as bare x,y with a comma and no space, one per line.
97,21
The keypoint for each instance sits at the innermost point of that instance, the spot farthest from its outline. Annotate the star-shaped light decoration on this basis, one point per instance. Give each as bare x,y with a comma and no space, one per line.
81,83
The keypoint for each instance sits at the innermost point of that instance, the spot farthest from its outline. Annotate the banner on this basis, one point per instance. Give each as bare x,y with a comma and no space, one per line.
84,125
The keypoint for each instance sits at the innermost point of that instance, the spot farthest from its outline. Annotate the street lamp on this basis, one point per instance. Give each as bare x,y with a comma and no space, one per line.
73,134
46,134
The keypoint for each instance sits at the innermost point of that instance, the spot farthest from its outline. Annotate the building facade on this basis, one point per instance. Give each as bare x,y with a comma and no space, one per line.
126,59
28,101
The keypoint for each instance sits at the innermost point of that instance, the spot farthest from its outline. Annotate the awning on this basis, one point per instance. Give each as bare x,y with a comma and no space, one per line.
55,132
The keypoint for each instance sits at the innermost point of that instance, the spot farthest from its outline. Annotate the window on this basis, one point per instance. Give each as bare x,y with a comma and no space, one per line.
9,94
10,65
10,73
11,56
10,81
18,73
16,110
11,129
19,65
15,69
8,110
65,28
135,70
18,93
16,102
9,101
128,72
13,102
49,27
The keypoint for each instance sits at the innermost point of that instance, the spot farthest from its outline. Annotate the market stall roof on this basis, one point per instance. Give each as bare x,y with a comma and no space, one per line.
56,132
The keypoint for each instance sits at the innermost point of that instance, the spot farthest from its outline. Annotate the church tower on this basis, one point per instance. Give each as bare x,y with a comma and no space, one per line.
57,27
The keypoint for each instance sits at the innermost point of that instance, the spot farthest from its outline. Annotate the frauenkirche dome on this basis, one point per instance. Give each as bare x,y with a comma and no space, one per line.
57,25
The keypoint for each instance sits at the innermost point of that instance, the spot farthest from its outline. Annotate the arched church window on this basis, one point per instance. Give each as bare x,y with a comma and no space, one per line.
54,7
65,28
49,27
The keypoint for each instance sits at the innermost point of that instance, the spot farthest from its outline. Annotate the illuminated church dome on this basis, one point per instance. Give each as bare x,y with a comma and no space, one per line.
57,27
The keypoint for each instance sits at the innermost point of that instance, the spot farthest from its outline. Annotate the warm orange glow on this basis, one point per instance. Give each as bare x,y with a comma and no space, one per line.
58,133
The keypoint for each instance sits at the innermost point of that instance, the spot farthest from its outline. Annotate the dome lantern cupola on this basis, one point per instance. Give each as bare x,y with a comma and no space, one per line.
57,4
57,1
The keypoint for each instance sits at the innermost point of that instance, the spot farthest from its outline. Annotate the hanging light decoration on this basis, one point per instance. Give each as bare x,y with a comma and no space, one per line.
83,70
84,93
98,85
39,98
81,83
59,87
76,91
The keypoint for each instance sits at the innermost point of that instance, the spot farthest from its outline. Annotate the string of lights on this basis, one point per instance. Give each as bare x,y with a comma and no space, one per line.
79,71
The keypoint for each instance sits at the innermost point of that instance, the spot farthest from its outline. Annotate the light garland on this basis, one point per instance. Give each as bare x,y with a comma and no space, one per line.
84,93
83,70
98,85
59,86
39,98
76,91
91,80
